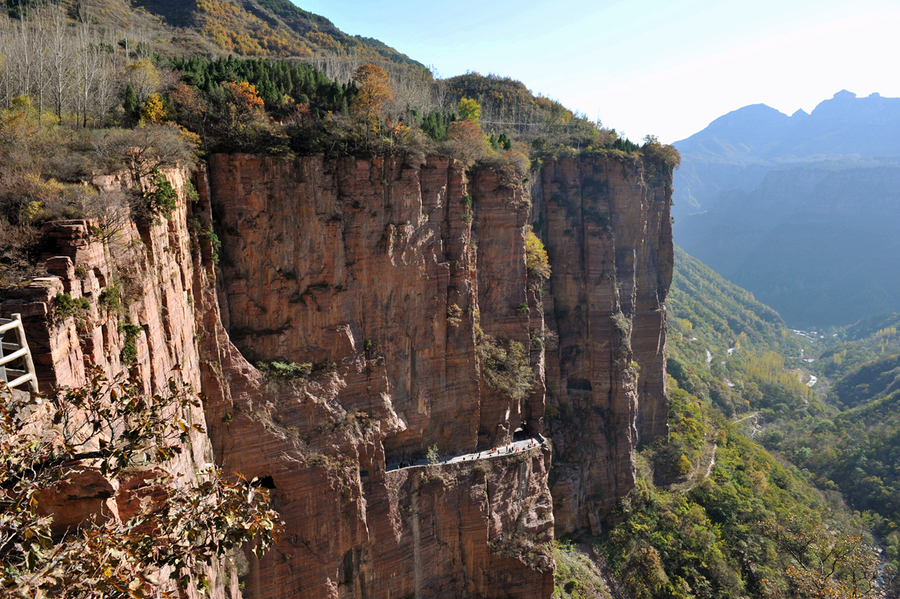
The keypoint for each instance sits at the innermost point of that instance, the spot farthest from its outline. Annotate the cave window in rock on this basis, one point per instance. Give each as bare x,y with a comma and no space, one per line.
579,385
267,482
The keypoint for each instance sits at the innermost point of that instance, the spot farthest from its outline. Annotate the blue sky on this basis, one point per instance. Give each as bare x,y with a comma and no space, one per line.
667,68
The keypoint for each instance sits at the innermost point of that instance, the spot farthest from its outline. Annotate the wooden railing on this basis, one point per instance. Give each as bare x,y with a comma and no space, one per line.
19,352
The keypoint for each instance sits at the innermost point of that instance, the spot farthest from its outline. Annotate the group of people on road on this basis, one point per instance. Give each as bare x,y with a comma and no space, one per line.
511,448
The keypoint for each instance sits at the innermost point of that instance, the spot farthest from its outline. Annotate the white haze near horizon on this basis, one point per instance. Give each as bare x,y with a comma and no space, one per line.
650,67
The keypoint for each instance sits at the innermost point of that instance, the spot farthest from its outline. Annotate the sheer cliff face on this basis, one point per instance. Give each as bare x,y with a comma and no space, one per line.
607,230
404,284
369,269
145,276
387,275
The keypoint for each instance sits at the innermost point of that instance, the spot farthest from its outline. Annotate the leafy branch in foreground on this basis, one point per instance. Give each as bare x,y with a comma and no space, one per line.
824,564
151,531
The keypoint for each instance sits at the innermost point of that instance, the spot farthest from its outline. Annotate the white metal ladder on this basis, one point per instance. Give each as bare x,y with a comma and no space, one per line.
15,377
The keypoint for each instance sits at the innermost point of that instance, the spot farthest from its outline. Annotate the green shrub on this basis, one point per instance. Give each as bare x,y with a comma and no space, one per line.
110,298
190,192
288,371
506,366
163,200
433,455
66,305
214,242
129,349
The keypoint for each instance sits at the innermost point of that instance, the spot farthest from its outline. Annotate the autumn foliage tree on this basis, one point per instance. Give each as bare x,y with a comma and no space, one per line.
823,564
154,110
165,534
189,105
468,109
467,142
374,90
246,106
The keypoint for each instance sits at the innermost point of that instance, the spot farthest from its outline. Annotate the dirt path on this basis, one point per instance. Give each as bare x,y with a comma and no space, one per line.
708,459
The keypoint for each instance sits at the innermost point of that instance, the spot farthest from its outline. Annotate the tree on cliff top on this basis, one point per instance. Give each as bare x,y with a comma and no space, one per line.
145,525
664,153
374,90
467,142
469,110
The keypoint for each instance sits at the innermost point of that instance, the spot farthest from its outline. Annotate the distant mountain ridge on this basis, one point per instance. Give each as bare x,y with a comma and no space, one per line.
800,210
840,127
275,28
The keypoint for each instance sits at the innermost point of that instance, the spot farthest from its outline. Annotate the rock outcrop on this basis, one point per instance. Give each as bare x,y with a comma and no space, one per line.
136,294
607,230
364,312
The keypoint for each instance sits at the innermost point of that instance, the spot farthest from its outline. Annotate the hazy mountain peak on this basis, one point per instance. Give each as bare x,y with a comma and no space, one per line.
765,134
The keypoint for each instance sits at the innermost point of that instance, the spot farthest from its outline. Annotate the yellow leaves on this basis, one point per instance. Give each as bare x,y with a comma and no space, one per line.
374,90
189,136
217,8
154,111
237,30
32,209
245,95
143,76
469,110
536,260
323,40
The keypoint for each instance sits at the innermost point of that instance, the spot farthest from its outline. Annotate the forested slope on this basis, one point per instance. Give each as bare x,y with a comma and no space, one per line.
731,349
856,450
714,514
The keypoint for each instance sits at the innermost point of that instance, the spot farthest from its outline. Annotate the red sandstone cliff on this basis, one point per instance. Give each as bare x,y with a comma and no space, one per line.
605,222
369,270
144,276
395,279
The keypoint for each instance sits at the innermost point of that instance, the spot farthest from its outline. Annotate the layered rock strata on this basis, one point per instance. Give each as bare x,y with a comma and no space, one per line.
384,299
369,271
133,295
605,222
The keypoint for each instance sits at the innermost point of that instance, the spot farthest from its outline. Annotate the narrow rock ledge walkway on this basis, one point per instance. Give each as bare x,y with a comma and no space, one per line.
508,449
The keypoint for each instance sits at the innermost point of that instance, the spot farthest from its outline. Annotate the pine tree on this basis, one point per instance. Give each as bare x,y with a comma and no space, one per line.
132,106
